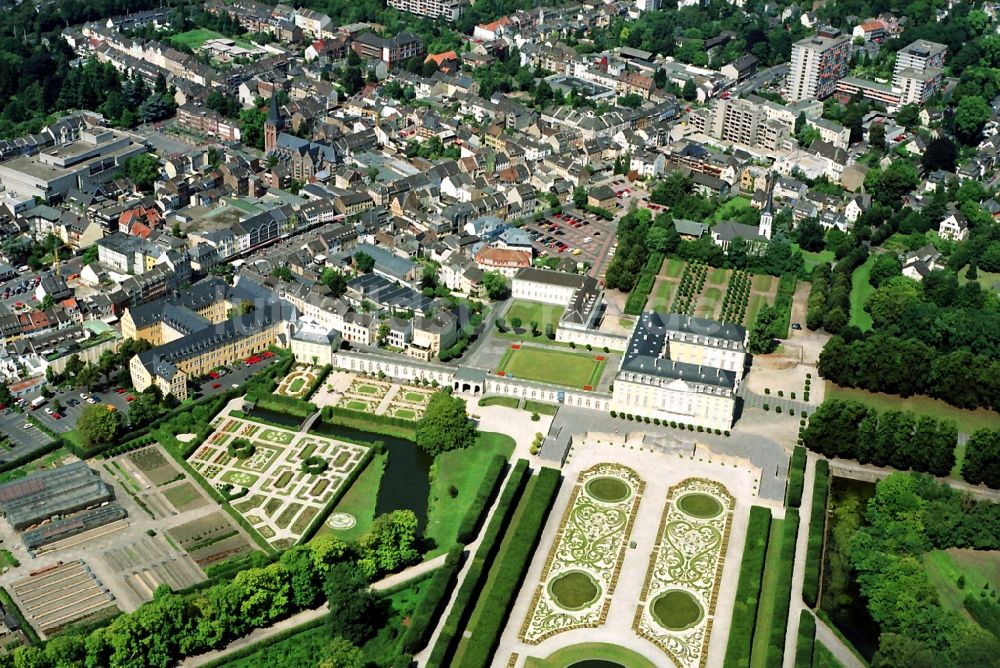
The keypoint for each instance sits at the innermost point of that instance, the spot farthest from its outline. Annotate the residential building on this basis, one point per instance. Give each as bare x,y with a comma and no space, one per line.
433,334
392,51
449,10
954,227
817,63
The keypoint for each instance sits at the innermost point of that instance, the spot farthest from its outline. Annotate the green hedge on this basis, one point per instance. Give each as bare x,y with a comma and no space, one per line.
318,383
806,640
510,570
640,293
796,477
748,589
984,611
492,478
475,579
386,425
783,303
817,528
429,610
317,521
783,589
282,404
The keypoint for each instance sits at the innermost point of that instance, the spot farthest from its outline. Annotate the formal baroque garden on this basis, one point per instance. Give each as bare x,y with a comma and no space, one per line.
685,568
278,480
382,397
298,381
583,565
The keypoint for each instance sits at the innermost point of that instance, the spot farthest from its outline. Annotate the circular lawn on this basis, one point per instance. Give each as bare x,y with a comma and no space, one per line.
702,506
574,590
676,610
608,489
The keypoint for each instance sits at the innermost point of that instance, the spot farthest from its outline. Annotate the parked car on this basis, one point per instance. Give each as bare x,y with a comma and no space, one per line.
796,326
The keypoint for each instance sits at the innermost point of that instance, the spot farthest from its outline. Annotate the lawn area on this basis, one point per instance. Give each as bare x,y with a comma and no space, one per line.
709,303
757,302
195,38
824,658
729,209
464,469
182,496
968,421
552,366
574,654
660,299
762,282
530,312
718,276
813,258
673,267
770,585
861,289
296,385
540,407
359,500
945,566
506,402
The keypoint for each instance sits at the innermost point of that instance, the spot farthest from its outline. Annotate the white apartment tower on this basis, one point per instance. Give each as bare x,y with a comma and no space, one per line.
818,62
919,70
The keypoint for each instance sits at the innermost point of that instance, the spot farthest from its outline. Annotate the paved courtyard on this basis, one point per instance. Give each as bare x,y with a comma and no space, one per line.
282,498
639,579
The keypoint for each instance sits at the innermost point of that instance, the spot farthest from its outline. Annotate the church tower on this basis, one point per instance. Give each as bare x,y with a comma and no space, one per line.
767,213
273,125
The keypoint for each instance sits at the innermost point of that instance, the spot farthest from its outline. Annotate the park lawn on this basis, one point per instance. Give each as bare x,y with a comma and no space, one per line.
660,299
762,282
861,290
296,385
552,366
359,501
757,302
945,566
182,496
968,421
768,595
813,258
464,469
985,279
718,276
673,267
574,654
540,407
729,209
528,312
707,303
195,38
506,402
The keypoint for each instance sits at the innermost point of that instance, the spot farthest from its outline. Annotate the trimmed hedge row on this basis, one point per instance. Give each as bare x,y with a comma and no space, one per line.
984,611
469,526
318,383
806,641
783,590
748,589
282,404
386,425
429,610
783,304
468,593
510,570
317,521
796,477
817,528
636,302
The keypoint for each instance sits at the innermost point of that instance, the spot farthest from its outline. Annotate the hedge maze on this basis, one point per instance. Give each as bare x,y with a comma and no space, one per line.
685,569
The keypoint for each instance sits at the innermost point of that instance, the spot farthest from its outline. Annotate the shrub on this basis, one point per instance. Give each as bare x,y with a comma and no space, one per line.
796,477
817,527
314,464
777,409
767,407
656,421
510,570
469,526
806,640
791,411
726,433
700,429
781,393
767,390
614,414
748,589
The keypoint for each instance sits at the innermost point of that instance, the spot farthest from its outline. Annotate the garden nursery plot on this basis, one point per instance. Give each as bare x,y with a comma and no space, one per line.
264,470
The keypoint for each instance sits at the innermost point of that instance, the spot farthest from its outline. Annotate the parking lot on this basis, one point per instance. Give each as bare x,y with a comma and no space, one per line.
20,290
583,237
25,441
72,405
237,373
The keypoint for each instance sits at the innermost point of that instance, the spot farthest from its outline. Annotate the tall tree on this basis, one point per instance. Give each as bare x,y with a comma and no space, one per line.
445,425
